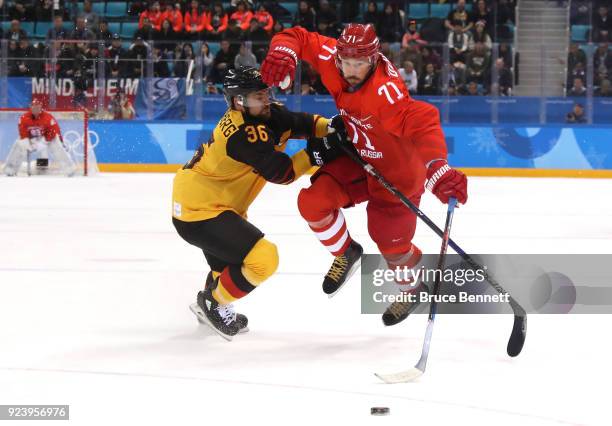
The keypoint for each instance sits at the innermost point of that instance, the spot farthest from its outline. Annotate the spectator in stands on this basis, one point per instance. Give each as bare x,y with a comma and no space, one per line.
459,17
458,43
390,26
92,55
243,15
175,16
19,12
216,22
505,15
576,115
65,61
602,25
371,15
233,34
473,89
57,31
478,65
195,21
412,54
146,31
91,17
25,64
160,64
574,56
277,11
578,88
329,16
456,79
504,83
13,55
410,77
15,31
430,56
224,61
580,11
245,57
116,55
102,33
305,17
602,60
483,13
80,31
166,38
260,39
605,89
277,28
137,56
412,37
385,49
121,108
153,14
505,51
324,28
577,72
430,81
479,35
264,18
207,60
44,11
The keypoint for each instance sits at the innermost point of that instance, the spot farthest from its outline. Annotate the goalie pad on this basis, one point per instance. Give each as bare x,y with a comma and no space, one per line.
16,156
58,153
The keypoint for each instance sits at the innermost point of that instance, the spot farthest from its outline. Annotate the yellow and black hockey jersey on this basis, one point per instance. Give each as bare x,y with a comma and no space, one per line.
243,153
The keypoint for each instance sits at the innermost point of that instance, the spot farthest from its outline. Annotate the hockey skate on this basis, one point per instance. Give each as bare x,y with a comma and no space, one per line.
221,318
342,269
398,311
241,319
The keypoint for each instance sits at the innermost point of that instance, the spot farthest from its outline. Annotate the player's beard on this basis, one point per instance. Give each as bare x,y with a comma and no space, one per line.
353,81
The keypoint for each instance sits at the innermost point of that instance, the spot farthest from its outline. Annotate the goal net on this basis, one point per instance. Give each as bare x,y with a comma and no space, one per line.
78,140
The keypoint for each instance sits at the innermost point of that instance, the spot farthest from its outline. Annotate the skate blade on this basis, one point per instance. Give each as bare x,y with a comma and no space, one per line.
348,277
241,331
199,313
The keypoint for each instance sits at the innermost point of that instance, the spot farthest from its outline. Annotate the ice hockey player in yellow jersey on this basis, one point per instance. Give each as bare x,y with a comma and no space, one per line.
213,191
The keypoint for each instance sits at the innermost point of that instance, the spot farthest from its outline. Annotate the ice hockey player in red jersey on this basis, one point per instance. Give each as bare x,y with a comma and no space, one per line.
399,136
38,133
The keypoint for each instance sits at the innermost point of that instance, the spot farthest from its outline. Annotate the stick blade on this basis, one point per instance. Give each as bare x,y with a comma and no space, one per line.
401,377
518,336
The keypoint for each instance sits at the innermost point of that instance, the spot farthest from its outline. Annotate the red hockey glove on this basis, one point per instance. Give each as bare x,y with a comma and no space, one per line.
279,63
444,182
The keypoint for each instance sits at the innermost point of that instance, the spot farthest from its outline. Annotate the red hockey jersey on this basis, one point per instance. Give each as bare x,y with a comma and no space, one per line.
393,132
44,125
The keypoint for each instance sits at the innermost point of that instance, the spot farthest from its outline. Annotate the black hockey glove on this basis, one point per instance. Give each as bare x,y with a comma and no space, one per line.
324,150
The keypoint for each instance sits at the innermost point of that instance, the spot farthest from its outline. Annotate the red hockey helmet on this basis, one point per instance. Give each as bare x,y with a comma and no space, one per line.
358,41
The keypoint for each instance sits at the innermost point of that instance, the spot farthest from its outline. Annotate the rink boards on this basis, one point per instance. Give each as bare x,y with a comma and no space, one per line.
484,150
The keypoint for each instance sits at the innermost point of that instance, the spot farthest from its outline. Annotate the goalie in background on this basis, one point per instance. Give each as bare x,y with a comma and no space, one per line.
39,133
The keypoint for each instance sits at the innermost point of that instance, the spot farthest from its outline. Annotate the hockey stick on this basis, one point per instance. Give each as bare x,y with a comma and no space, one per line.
28,167
419,369
519,328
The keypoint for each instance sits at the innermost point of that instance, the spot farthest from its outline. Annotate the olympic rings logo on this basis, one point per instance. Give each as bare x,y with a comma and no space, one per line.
73,141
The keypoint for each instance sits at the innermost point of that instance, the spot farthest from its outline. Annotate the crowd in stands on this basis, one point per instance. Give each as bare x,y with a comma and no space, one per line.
220,36
591,21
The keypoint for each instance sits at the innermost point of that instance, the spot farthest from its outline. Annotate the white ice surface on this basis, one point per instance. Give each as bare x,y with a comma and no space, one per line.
95,286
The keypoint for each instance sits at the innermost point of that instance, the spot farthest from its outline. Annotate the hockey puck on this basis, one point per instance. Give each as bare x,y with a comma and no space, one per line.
379,411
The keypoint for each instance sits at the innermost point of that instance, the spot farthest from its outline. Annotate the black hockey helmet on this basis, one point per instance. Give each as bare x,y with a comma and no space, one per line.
241,82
